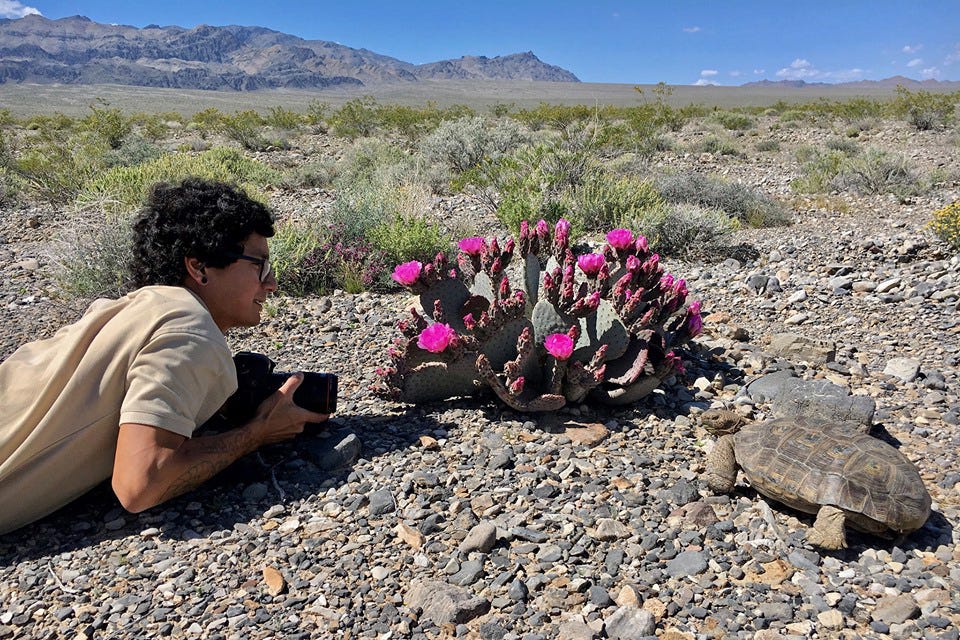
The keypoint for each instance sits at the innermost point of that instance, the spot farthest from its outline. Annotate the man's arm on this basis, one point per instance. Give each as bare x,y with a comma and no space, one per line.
153,465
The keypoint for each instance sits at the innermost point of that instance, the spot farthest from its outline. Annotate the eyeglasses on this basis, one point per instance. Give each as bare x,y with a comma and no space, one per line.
265,267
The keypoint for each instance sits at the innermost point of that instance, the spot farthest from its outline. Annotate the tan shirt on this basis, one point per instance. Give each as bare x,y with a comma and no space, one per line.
153,357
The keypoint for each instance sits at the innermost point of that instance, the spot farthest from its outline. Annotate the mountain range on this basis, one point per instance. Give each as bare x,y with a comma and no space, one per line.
76,50
888,83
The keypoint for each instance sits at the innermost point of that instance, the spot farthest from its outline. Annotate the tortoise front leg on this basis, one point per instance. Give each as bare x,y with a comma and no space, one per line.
828,530
721,469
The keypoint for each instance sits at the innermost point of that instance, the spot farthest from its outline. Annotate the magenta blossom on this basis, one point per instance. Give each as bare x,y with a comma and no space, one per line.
620,238
437,337
641,245
694,321
675,362
472,246
543,230
561,229
633,263
591,263
559,345
408,272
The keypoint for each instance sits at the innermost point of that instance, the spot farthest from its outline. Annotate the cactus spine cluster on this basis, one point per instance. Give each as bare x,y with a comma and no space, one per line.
550,330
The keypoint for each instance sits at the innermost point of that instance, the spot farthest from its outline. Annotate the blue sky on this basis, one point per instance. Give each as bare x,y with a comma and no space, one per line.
726,42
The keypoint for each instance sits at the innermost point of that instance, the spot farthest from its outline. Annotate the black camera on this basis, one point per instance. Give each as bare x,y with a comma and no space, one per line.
256,381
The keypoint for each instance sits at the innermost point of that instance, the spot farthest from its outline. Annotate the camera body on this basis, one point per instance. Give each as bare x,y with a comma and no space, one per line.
256,381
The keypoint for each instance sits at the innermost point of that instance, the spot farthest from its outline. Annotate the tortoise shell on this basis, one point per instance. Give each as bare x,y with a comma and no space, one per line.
806,465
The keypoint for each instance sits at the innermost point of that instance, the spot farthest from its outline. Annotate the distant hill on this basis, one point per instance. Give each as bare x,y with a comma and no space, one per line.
77,50
890,83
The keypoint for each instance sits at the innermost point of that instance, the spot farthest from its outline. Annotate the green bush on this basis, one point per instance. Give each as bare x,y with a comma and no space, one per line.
876,172
718,146
124,188
355,119
92,253
404,238
460,145
314,173
605,201
926,110
767,145
290,246
208,121
316,113
108,123
133,151
244,127
734,121
843,145
818,168
744,203
946,224
55,163
687,230
281,118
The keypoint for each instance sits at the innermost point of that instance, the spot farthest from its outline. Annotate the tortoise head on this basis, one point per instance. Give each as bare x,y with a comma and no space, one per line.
721,422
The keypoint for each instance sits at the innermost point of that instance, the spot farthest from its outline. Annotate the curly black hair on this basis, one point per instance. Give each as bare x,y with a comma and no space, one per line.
195,218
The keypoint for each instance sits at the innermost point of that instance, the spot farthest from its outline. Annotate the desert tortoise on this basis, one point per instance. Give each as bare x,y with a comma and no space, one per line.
837,472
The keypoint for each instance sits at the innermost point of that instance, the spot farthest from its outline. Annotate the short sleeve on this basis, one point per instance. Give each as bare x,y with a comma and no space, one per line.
177,381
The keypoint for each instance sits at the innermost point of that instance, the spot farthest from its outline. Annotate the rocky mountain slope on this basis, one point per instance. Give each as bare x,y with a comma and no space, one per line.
77,50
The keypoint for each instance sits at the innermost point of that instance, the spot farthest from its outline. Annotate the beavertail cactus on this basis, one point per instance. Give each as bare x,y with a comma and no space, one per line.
552,329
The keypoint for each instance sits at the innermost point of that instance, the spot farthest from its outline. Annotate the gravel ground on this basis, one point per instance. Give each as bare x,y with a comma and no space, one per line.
465,519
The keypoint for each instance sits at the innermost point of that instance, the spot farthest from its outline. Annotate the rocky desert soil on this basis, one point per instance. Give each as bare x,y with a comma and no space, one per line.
466,519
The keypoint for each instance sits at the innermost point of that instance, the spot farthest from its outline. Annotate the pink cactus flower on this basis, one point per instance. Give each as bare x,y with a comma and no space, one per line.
620,238
667,281
559,345
694,321
695,306
408,272
675,362
543,229
469,322
641,245
591,263
561,231
633,264
437,337
516,386
472,246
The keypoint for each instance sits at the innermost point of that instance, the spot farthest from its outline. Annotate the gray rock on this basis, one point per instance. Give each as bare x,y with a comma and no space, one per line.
907,369
470,572
630,623
382,502
337,450
444,603
255,491
575,630
896,609
796,347
481,538
687,563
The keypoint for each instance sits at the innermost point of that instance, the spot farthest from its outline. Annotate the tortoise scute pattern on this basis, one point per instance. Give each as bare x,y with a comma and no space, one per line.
807,465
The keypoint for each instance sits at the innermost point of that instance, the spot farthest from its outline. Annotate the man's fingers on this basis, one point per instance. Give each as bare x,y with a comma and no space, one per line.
291,383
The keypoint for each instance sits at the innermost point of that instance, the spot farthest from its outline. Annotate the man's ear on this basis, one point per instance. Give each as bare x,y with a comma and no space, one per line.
196,270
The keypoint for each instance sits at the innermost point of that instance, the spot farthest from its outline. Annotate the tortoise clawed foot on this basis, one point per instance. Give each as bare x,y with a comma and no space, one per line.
828,532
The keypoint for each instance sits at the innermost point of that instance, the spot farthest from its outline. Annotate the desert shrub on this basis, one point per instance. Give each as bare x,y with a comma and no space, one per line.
90,254
926,110
734,121
316,113
687,230
555,116
318,259
792,115
154,127
133,151
314,173
744,203
843,145
244,127
605,201
281,118
124,188
108,123
357,118
404,237
54,164
818,168
767,145
293,241
719,146
876,172
458,146
208,121
946,224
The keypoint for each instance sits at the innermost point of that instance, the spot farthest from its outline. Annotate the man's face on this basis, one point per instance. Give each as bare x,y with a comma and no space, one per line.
234,294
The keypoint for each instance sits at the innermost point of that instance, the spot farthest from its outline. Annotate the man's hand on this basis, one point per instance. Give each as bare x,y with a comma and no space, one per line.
152,465
278,418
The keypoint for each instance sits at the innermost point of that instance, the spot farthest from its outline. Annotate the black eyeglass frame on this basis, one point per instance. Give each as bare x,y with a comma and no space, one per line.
264,263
